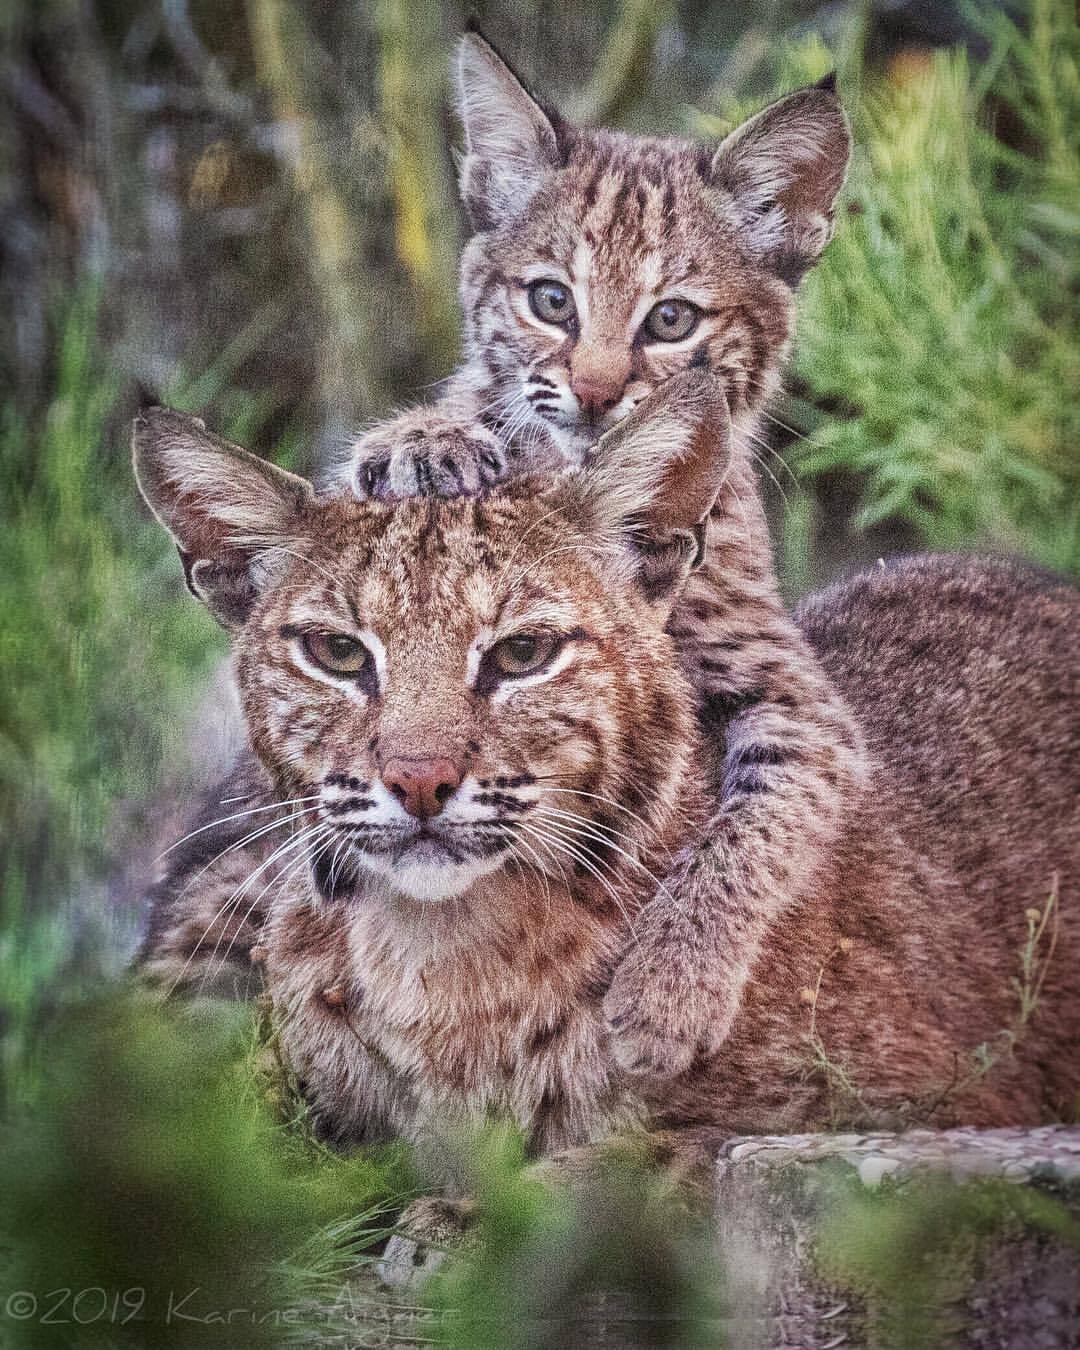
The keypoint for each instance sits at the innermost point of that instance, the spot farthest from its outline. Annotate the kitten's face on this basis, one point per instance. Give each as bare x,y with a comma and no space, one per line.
603,264
622,270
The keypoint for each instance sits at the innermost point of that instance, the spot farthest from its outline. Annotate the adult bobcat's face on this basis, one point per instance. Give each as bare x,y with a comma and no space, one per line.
603,264
433,683
427,697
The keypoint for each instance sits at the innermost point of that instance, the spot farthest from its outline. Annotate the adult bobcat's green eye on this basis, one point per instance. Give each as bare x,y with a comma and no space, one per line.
671,320
336,652
552,301
523,653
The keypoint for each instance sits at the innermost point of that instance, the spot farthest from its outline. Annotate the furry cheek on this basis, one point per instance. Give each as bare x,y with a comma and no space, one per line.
300,723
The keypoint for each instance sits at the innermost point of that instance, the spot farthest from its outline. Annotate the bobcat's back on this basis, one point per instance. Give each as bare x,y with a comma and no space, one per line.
965,674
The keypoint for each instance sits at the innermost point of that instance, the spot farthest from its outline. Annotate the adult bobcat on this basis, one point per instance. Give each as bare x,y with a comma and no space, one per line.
601,266
477,705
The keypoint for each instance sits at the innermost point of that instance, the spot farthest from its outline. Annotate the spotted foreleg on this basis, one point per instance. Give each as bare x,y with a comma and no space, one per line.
788,765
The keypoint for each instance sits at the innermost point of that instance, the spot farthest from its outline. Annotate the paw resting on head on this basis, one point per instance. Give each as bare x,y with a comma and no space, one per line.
424,454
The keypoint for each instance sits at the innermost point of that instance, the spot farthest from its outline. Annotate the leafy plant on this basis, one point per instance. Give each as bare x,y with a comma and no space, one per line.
940,329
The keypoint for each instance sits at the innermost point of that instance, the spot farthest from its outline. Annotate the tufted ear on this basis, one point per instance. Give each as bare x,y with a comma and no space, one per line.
223,507
511,142
651,481
783,169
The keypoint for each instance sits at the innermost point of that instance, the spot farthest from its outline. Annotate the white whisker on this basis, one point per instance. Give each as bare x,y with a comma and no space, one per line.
307,855
233,899
545,786
582,830
302,840
545,838
281,548
237,815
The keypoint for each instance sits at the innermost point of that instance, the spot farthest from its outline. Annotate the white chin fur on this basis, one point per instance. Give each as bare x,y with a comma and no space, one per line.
430,880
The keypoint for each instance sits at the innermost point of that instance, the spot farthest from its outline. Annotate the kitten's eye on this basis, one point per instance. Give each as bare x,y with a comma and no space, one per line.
336,652
523,654
552,302
671,320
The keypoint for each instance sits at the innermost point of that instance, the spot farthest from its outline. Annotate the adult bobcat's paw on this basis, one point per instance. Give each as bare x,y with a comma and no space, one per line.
427,455
429,1230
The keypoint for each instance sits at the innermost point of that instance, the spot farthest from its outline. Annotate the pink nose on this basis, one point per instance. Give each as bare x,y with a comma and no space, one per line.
596,396
422,786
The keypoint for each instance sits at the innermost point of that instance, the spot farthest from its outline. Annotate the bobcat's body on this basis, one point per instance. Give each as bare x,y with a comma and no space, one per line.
886,994
786,794
912,940
624,226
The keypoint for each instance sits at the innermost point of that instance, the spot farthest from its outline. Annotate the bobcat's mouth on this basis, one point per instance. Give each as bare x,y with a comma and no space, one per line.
427,862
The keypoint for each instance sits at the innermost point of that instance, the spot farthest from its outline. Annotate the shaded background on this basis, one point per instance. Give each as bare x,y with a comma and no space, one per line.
248,207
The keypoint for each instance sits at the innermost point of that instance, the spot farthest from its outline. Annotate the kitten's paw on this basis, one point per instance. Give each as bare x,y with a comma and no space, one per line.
673,995
427,455
651,1034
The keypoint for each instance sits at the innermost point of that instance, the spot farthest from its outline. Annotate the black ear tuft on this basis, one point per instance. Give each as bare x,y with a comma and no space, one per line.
827,82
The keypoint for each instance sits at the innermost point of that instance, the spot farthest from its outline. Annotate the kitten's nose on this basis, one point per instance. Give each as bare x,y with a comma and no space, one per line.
422,786
596,395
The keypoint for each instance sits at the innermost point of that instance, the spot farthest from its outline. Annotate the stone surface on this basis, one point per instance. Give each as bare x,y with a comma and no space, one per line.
1019,1288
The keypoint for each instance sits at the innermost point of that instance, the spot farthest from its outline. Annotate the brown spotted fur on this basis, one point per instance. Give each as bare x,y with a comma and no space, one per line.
401,1016
630,220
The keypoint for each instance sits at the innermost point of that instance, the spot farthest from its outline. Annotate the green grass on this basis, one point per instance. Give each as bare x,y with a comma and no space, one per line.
104,656
942,322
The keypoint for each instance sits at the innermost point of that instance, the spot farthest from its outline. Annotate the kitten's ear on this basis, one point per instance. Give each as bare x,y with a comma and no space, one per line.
221,505
511,142
783,169
651,481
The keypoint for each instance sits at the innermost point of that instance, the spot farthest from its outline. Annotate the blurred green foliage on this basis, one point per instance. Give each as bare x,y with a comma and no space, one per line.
940,331
152,1185
913,1252
621,1257
248,207
103,654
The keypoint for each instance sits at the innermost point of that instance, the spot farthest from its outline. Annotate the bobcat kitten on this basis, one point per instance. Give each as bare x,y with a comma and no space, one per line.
601,265
494,754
